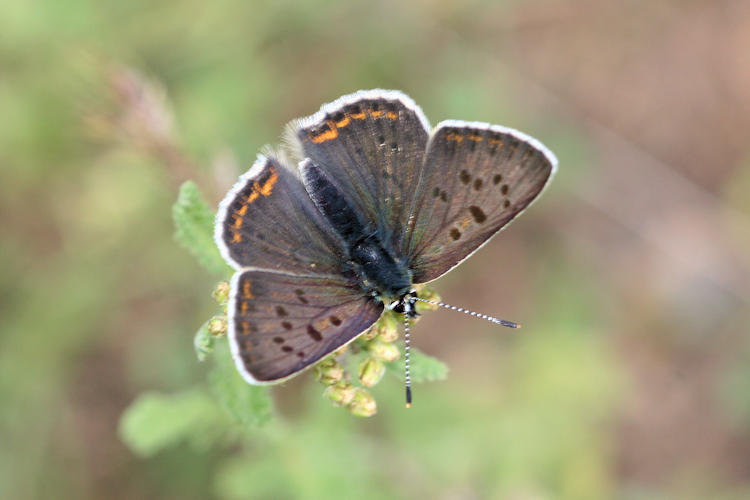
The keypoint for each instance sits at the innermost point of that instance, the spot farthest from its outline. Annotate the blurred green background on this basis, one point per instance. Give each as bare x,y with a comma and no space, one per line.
631,276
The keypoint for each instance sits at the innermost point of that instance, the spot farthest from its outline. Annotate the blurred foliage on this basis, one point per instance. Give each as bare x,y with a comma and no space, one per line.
629,378
195,228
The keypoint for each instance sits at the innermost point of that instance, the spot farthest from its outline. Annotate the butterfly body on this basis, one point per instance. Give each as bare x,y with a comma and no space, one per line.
373,201
380,273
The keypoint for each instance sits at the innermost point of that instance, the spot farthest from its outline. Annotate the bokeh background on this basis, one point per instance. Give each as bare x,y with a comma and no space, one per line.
631,377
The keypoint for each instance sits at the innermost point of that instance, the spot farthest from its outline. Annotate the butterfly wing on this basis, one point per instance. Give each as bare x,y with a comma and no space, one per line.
280,324
372,144
476,178
268,221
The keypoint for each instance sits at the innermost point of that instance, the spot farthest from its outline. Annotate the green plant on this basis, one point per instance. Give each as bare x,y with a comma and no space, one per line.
213,411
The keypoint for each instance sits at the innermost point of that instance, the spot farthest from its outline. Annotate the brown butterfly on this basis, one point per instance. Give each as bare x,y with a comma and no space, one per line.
365,201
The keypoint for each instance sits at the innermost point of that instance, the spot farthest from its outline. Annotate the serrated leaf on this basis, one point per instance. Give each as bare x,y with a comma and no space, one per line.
194,223
156,421
203,342
422,367
249,405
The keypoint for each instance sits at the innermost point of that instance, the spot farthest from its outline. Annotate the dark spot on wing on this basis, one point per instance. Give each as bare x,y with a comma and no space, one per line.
335,320
435,192
314,334
455,233
478,184
496,180
287,325
477,213
464,176
506,203
504,189
287,348
444,196
300,354
278,340
280,311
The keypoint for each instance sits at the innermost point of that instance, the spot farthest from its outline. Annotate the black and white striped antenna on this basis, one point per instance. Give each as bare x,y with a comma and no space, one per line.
407,339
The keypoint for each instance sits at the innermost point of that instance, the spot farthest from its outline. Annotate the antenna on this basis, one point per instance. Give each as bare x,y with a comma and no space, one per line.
497,321
407,376
409,307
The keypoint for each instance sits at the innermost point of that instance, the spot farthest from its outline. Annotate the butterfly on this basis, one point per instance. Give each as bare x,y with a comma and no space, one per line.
364,201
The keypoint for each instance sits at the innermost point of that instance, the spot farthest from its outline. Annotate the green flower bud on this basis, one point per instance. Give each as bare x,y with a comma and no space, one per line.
340,351
221,292
383,351
340,393
370,372
329,371
217,326
363,404
427,293
370,333
387,327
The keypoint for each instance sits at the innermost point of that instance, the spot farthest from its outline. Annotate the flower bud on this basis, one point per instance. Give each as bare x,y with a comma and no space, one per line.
221,292
370,372
329,371
370,333
217,326
340,351
383,351
363,404
387,327
340,393
427,293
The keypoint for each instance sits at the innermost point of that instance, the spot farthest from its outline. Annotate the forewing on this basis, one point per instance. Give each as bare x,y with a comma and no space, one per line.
280,324
476,178
372,144
268,221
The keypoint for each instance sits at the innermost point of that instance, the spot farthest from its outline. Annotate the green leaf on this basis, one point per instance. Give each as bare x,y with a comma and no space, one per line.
194,223
156,421
203,342
423,368
249,405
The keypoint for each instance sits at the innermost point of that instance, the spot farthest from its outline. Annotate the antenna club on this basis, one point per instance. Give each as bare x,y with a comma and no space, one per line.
408,405
518,325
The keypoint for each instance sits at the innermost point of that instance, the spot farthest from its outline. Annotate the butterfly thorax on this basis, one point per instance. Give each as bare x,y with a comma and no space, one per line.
380,273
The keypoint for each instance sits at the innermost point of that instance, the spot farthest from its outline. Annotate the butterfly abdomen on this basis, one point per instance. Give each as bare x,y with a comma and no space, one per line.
378,270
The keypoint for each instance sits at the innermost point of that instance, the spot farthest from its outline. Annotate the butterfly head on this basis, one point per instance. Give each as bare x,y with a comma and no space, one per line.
406,304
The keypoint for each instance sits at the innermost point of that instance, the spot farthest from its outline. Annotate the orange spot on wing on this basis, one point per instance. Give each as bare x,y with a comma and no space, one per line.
496,142
475,138
391,115
454,137
245,328
236,238
329,134
253,196
246,291
343,123
243,307
242,211
267,187
376,114
358,116
237,221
